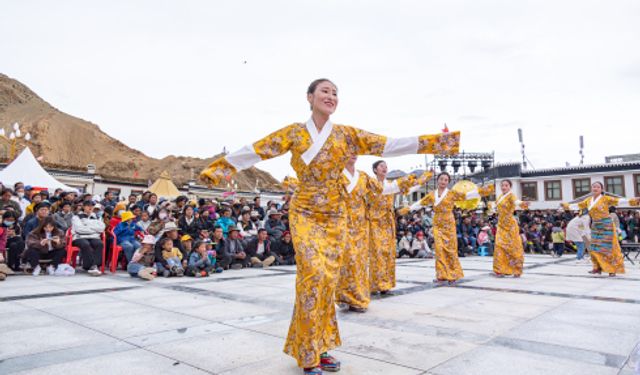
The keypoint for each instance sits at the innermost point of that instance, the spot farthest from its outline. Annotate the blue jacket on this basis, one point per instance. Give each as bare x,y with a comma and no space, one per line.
195,260
226,223
126,231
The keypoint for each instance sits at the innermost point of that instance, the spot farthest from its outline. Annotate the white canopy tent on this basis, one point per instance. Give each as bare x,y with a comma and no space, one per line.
25,168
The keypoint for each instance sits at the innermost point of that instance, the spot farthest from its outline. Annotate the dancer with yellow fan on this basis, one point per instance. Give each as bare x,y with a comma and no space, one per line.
448,269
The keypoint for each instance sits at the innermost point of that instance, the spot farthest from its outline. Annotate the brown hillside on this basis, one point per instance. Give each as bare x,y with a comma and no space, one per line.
64,140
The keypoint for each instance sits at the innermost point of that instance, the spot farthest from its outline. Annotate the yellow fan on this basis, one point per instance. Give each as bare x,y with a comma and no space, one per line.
465,186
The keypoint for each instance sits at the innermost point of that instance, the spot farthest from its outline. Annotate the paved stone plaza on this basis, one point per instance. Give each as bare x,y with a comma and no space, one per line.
557,319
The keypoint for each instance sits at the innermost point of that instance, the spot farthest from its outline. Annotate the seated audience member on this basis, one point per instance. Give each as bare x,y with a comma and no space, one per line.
405,244
63,216
160,219
137,212
246,227
172,257
188,223
274,225
4,268
6,202
257,207
142,263
42,210
234,253
259,250
86,231
145,220
170,231
187,243
152,205
15,244
225,221
200,264
177,208
126,234
46,242
133,199
284,251
484,239
109,200
420,247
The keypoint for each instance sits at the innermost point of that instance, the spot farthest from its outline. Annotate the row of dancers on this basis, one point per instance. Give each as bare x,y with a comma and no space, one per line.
339,215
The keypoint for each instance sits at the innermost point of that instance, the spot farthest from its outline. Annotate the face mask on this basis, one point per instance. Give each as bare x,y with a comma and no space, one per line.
8,223
162,216
99,214
21,195
409,238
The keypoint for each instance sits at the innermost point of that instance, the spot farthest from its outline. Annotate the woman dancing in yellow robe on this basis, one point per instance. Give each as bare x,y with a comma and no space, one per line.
508,252
448,267
382,226
318,214
605,251
354,285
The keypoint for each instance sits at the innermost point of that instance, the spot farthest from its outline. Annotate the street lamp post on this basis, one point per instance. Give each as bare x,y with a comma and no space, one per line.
14,137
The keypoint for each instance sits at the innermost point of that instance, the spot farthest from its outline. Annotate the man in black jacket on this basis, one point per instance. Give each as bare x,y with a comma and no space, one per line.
259,250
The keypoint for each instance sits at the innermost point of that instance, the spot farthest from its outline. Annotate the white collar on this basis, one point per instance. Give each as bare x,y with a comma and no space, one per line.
353,179
503,196
593,202
439,199
317,139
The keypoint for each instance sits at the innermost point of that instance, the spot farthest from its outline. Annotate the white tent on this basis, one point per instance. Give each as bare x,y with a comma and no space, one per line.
25,168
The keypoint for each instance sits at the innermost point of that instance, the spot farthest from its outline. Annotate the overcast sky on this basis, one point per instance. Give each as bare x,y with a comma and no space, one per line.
189,77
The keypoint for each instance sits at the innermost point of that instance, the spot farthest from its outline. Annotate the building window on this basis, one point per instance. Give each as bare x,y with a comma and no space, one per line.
137,192
614,184
553,190
581,187
636,184
529,191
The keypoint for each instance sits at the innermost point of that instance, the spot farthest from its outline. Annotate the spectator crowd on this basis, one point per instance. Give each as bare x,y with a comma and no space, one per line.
43,232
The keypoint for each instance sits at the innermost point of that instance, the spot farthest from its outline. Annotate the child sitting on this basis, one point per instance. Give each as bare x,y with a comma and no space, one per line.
484,239
143,260
172,256
200,263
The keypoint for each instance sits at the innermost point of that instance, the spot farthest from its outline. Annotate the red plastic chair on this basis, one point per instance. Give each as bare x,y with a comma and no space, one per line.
115,252
73,251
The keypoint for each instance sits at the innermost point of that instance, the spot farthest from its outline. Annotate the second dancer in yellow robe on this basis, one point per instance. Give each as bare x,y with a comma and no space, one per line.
508,253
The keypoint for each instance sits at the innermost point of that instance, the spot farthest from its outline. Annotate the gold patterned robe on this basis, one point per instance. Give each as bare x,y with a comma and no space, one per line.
444,229
318,214
605,251
508,253
353,286
382,226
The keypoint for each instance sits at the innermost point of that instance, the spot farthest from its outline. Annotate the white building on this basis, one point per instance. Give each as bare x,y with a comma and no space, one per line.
547,188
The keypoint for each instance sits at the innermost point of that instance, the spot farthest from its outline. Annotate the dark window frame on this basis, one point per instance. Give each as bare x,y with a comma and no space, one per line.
546,190
573,185
535,184
606,185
